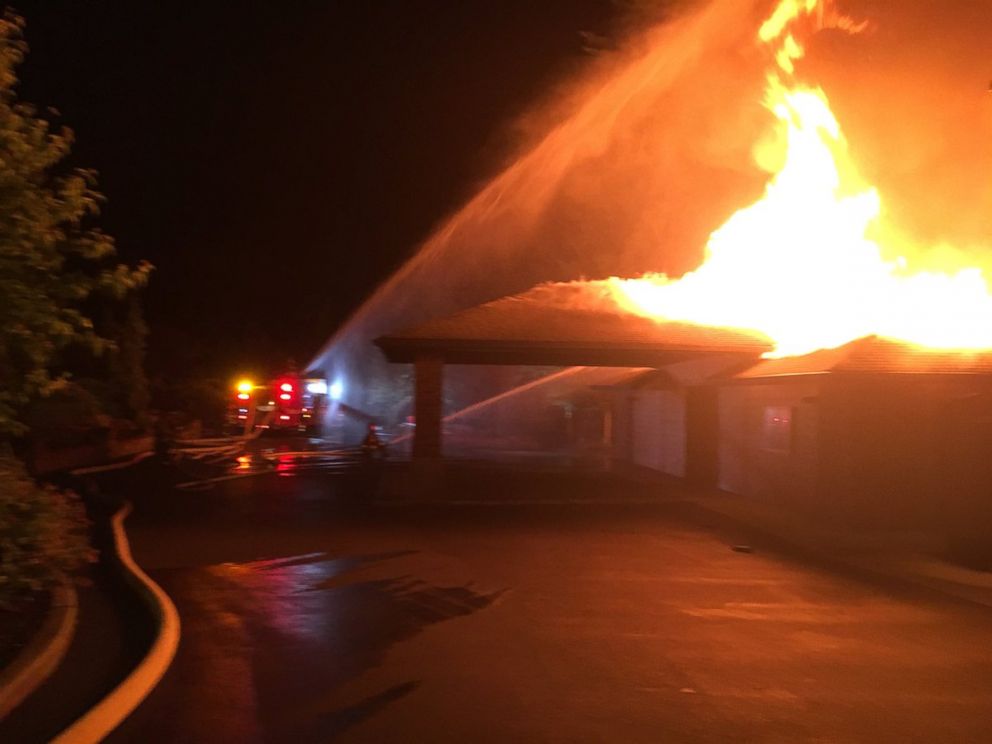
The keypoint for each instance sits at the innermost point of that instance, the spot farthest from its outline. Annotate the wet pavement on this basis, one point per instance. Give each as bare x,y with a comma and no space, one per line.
312,615
111,637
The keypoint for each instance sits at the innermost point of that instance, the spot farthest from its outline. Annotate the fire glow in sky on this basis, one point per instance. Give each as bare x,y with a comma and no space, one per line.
804,265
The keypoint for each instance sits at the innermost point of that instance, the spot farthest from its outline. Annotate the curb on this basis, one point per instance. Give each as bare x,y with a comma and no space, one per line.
904,567
110,712
44,652
89,470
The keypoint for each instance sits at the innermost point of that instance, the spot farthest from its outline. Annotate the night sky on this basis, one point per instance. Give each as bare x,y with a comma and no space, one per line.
276,161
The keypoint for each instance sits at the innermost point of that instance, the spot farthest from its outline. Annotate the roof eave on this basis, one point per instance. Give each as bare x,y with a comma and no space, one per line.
400,349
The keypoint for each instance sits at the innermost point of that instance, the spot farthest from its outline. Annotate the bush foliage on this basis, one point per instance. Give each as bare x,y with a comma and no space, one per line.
44,534
56,269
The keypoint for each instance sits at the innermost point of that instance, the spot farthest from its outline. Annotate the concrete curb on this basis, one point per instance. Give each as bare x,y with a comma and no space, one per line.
113,466
883,557
42,655
121,702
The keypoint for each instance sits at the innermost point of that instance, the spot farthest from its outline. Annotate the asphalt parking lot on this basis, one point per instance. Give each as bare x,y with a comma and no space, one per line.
306,618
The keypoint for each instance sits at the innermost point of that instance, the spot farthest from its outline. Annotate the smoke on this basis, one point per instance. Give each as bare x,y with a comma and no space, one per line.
648,152
652,149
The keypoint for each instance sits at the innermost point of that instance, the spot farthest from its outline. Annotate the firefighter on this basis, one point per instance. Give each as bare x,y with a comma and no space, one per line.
372,445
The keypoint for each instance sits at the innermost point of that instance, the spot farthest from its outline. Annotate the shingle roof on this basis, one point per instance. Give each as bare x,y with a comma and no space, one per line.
872,354
567,318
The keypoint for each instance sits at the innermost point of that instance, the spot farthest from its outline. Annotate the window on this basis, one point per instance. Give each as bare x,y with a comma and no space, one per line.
776,433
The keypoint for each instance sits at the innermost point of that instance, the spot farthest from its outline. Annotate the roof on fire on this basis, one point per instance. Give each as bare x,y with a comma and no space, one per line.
572,323
872,354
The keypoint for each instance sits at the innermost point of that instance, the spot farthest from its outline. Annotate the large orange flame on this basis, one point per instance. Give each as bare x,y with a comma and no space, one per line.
801,265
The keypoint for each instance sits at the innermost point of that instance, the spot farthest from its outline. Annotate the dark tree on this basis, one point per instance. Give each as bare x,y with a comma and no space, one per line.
52,260
54,266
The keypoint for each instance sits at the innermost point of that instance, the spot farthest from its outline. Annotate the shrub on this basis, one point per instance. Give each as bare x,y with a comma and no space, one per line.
68,416
44,534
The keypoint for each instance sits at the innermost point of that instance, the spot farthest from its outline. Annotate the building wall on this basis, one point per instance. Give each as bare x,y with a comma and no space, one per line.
621,441
865,451
658,430
702,436
895,451
768,439
908,451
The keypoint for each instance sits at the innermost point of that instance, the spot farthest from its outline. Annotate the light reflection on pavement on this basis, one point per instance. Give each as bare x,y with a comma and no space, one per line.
275,638
284,456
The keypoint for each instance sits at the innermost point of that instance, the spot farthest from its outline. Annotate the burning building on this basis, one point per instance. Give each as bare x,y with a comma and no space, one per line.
882,432
575,325
659,143
889,433
814,356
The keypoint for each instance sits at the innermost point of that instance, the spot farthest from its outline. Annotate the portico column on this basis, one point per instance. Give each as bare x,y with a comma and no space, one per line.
428,381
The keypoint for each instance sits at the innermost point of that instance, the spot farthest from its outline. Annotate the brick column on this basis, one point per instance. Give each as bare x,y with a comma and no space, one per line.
427,408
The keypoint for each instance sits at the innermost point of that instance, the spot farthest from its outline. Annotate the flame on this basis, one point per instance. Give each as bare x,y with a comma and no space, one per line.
804,265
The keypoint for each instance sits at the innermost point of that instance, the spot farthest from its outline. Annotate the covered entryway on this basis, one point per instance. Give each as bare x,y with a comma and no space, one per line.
557,325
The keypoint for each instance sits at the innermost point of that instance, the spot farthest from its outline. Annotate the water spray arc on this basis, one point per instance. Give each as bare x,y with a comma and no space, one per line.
654,150
552,377
566,207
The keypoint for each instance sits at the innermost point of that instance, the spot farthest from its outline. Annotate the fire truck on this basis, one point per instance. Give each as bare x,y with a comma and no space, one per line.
290,402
